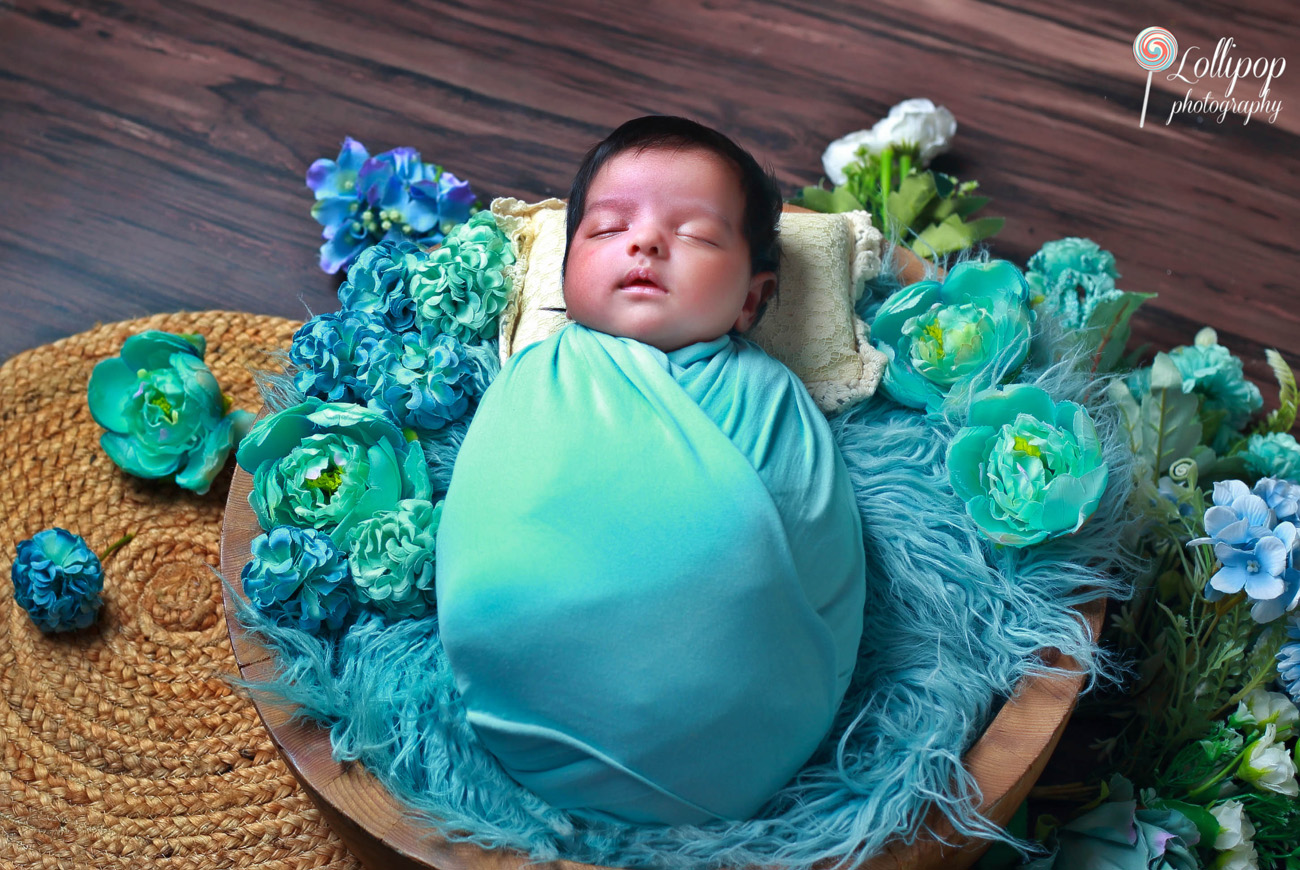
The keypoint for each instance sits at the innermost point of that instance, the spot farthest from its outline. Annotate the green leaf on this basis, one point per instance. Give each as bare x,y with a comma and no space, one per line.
948,237
1206,824
1170,427
1283,417
843,200
913,195
968,205
1109,328
815,198
944,184
985,227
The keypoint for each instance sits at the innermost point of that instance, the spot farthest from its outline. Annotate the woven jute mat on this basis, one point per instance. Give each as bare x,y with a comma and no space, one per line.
122,744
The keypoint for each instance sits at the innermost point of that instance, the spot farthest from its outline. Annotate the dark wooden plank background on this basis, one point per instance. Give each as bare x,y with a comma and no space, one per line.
153,153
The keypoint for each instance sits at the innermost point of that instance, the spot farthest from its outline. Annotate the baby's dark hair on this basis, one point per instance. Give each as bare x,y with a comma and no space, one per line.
762,193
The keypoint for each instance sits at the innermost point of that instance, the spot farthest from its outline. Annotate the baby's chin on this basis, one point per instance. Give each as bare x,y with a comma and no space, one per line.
661,339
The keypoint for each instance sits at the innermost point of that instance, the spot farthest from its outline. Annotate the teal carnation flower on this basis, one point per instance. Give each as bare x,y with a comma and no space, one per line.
57,580
954,337
1072,276
461,288
165,414
333,351
298,578
392,555
378,281
1027,468
421,379
327,466
1274,455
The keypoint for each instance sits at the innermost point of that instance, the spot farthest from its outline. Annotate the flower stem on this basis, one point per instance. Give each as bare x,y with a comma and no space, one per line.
1214,780
886,182
116,545
904,165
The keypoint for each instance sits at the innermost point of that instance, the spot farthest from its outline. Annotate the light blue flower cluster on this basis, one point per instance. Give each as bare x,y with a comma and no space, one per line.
57,580
297,577
361,200
1254,535
1288,660
1072,276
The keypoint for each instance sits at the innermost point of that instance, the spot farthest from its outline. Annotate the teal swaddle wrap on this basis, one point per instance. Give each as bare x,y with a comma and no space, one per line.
650,576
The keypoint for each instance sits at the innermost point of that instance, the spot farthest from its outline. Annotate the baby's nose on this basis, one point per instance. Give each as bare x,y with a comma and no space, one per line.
646,240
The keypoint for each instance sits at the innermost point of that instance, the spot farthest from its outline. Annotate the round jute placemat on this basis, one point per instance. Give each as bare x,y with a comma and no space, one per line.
123,744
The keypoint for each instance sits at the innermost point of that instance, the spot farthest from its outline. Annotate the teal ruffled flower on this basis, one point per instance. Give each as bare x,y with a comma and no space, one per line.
1274,455
422,380
461,288
392,555
378,283
950,338
165,414
333,351
327,466
57,580
1027,468
1119,836
1072,276
298,578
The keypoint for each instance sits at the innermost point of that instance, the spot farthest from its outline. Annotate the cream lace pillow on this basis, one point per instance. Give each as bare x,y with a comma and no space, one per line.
811,325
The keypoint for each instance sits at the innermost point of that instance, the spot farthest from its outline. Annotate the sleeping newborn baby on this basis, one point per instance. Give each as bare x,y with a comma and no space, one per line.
650,574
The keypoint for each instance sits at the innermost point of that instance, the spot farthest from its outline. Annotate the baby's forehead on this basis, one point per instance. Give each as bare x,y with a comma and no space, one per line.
718,198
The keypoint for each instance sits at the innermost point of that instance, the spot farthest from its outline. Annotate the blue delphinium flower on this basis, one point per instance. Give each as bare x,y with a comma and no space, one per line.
57,580
378,283
298,578
1274,455
361,200
421,379
1288,660
332,352
1072,276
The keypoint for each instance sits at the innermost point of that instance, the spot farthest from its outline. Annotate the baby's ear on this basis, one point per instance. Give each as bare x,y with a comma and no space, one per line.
761,288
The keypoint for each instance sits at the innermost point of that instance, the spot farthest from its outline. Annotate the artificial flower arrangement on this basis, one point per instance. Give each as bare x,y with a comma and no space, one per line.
884,171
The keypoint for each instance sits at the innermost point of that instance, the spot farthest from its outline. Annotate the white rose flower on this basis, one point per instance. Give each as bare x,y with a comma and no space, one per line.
1269,766
1235,828
1261,707
1241,858
917,122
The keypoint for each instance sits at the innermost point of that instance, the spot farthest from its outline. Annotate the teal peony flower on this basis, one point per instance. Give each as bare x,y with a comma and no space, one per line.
298,578
950,338
165,414
57,580
1027,468
1072,276
461,288
392,558
333,351
1274,455
327,466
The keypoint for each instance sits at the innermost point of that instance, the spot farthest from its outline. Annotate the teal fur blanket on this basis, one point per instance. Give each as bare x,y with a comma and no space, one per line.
951,623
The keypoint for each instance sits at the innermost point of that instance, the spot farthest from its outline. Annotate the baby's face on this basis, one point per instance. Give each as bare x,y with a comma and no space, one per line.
660,255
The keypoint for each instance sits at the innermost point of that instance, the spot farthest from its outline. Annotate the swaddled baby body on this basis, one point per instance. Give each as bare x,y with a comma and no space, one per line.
650,564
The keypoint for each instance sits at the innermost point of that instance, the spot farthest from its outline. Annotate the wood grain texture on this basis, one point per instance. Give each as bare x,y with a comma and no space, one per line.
154,152
1006,761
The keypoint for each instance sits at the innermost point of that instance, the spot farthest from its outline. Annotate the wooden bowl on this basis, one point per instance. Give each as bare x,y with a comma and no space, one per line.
1005,761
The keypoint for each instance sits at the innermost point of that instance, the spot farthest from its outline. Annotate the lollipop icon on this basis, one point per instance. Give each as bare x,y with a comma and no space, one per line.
1154,49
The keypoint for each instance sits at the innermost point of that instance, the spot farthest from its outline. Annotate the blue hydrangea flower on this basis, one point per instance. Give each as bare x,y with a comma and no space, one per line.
378,283
361,200
422,380
298,578
1288,660
57,580
332,352
1257,570
1072,276
1238,518
1274,455
1282,496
